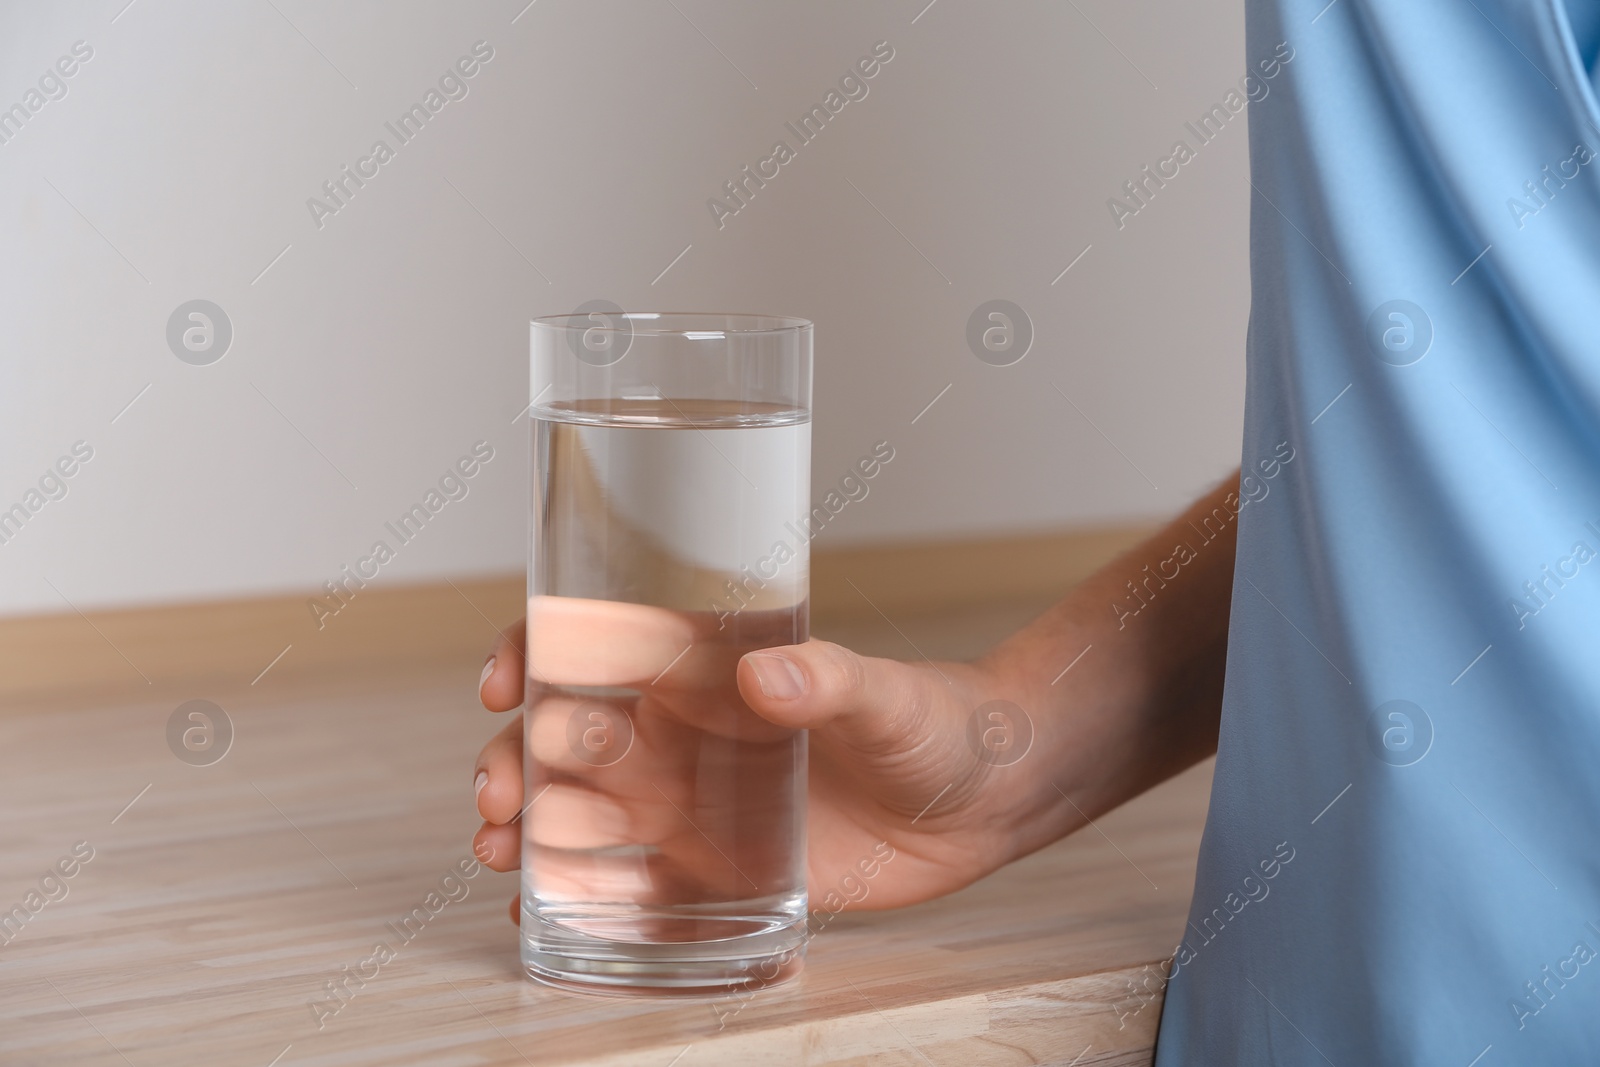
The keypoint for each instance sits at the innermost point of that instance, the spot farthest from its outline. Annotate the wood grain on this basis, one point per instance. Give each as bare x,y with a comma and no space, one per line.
222,900
220,904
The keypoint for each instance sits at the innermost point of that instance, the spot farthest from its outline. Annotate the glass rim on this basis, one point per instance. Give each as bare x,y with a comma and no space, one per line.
676,323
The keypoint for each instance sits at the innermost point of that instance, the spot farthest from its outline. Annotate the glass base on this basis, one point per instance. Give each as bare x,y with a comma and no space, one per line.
690,952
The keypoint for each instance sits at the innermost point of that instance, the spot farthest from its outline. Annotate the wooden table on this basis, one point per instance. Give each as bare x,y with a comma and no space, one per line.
221,900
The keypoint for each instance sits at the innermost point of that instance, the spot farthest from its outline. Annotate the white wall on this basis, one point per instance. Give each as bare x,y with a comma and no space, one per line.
180,160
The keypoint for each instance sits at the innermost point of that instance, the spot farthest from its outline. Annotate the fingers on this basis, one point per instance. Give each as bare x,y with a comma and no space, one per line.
820,684
646,879
571,817
497,777
498,848
604,642
680,659
500,686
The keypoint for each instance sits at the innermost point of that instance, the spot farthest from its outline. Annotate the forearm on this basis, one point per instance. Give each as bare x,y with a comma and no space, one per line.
1144,699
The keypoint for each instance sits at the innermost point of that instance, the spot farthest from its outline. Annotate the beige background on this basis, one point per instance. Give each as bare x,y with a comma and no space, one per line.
379,348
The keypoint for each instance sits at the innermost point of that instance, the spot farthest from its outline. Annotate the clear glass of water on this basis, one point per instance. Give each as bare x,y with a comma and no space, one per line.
663,841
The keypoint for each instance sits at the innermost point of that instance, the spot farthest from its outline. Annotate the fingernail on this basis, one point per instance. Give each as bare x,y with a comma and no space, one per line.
488,669
779,677
479,782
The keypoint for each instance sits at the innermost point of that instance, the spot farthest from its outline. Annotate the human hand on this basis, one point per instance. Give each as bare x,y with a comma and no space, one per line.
891,762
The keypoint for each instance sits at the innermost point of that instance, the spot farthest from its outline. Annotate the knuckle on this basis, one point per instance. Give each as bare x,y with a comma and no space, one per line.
847,673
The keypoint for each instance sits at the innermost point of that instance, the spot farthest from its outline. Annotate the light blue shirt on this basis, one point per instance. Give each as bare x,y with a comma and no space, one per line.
1402,859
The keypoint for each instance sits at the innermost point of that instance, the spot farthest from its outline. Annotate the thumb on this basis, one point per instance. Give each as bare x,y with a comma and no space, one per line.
820,684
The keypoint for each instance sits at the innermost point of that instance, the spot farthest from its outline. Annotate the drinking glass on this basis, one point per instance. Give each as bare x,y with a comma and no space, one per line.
663,841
